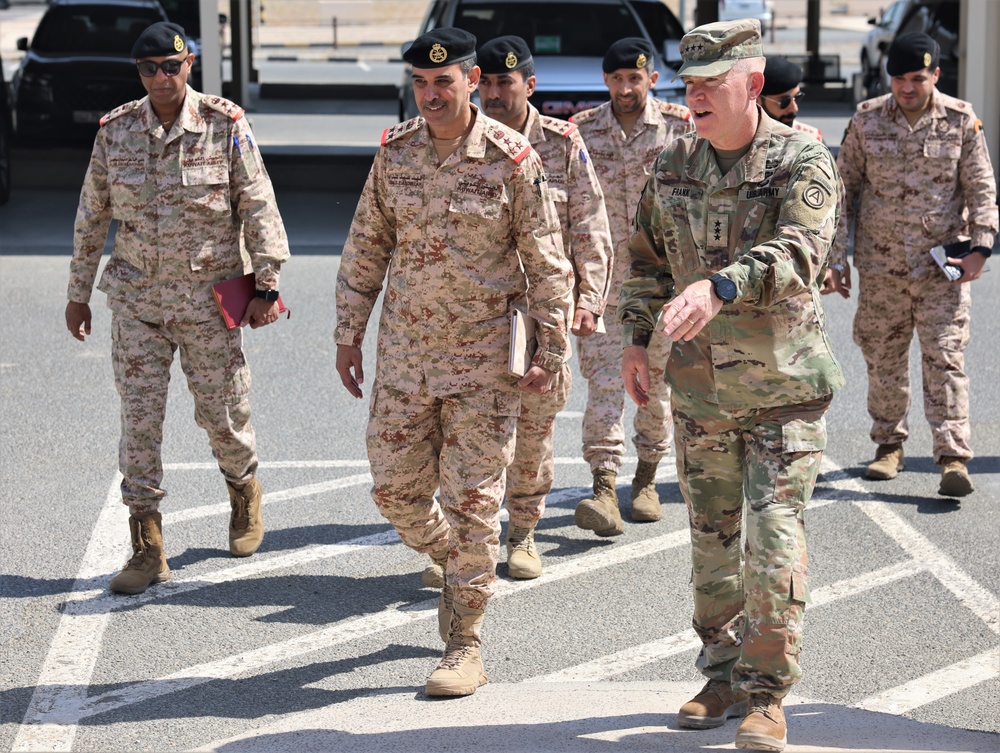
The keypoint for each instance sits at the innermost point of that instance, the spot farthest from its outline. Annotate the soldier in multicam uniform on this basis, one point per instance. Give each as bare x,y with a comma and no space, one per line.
180,172
508,79
782,92
624,137
917,159
454,204
732,232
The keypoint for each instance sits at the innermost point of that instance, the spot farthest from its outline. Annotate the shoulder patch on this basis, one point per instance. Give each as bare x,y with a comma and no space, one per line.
674,110
870,105
400,129
121,110
953,103
556,125
511,143
229,109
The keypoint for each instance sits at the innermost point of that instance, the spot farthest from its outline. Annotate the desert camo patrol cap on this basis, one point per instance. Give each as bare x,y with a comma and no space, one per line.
441,47
162,39
713,49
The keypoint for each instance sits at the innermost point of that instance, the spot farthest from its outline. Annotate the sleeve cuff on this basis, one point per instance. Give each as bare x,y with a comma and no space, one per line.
349,336
634,334
549,361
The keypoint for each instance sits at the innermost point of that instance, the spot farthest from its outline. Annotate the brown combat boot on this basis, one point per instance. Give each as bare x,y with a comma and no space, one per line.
717,702
955,479
433,574
645,499
148,563
763,728
523,560
888,462
246,523
601,514
460,670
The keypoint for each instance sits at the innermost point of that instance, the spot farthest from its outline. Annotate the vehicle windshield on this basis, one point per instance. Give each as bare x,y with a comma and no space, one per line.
92,29
565,29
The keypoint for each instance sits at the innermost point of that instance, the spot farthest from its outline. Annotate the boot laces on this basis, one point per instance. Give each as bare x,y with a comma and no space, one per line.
602,484
524,544
762,703
455,655
241,511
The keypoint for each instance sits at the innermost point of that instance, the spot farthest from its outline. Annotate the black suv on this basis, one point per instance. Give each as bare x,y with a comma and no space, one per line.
568,39
940,20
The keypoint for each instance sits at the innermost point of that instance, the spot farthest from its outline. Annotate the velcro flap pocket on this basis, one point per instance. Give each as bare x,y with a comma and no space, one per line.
799,435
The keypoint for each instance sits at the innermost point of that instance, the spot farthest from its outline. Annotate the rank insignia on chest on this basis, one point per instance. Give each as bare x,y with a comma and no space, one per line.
718,230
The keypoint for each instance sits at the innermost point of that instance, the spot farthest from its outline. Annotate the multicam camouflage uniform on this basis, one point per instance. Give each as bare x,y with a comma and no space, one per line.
182,200
623,163
751,389
443,408
918,187
579,202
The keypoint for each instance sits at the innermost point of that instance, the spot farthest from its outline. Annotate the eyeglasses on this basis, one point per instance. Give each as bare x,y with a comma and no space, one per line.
785,101
148,69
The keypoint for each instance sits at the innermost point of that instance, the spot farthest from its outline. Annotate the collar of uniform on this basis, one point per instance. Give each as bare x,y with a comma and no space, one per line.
533,130
189,116
750,169
935,110
475,143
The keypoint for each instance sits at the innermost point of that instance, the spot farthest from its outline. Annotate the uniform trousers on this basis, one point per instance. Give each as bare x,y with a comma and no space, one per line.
530,475
603,427
462,444
218,378
746,477
889,309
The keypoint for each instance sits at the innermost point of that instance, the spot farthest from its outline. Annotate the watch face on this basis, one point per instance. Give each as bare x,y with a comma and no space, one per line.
725,289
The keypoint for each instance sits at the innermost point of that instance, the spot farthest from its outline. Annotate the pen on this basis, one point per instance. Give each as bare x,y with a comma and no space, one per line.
236,143
250,142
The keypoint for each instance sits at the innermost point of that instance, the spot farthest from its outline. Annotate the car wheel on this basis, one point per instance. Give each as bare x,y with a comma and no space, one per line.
867,72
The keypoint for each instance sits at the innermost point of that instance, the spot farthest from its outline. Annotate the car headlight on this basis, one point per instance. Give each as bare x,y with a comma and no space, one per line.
35,87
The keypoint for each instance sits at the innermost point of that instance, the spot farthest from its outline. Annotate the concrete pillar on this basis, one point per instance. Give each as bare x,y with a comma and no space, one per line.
979,61
211,47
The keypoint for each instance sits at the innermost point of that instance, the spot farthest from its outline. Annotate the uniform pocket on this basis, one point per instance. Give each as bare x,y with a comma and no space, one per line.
476,207
799,435
206,190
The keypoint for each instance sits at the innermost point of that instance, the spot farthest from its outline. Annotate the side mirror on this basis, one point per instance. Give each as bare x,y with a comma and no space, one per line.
873,20
883,46
22,44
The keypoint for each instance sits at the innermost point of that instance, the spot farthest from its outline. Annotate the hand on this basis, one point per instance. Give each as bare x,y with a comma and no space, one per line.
686,315
350,368
971,266
584,323
537,381
78,320
635,373
260,313
837,282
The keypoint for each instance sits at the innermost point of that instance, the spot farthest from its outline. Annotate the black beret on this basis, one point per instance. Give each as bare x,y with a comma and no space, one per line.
780,75
912,52
440,47
503,55
630,52
160,40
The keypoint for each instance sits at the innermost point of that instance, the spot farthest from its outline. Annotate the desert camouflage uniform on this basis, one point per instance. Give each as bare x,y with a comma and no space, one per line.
182,200
918,187
623,164
579,202
443,409
808,130
751,389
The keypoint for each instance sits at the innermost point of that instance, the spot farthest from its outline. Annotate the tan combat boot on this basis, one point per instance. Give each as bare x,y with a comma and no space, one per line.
460,670
763,728
446,610
955,479
523,560
601,514
717,702
246,523
148,564
645,499
888,462
433,574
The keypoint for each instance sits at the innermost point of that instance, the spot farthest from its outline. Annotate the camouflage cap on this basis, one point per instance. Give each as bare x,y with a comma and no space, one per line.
713,49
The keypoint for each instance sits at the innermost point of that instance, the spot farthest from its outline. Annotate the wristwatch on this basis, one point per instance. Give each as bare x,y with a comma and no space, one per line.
725,289
838,268
268,295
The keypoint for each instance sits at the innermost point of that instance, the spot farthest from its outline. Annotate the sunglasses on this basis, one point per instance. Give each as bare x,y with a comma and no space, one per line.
148,69
785,101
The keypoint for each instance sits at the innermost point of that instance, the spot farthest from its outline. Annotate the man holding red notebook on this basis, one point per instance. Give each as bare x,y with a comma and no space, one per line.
181,173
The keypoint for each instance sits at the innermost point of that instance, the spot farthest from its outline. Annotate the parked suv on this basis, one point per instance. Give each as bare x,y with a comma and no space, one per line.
79,66
876,43
568,39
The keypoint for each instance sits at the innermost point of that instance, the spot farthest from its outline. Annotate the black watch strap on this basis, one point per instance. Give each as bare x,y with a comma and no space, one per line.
268,295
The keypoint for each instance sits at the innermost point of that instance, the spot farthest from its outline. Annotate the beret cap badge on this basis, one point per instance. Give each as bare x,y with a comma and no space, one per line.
438,54
511,60
927,59
640,62
178,42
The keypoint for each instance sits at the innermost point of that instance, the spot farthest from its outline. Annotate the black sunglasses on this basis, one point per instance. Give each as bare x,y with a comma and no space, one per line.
785,101
148,69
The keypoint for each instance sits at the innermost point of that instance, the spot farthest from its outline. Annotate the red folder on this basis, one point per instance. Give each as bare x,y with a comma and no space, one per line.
234,296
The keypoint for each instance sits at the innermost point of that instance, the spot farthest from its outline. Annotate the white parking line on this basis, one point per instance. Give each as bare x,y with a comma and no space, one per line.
936,685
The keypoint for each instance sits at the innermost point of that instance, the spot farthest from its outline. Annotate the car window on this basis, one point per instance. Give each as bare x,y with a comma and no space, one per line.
93,29
661,24
565,29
